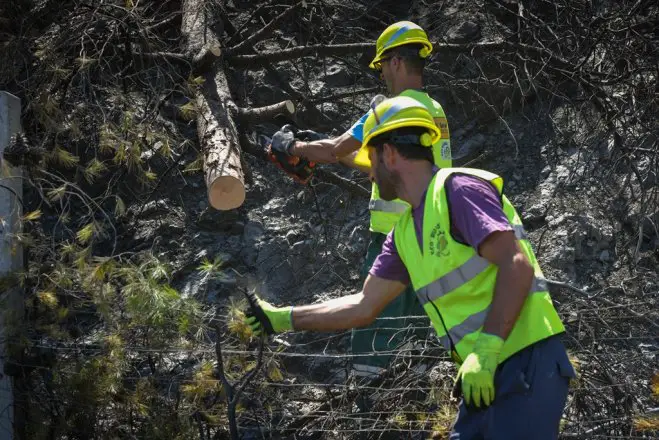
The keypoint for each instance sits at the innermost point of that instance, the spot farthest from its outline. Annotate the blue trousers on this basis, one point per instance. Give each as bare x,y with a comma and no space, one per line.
531,390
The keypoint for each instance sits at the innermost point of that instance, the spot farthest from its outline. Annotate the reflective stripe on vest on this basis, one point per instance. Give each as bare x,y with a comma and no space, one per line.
469,325
461,275
387,206
454,279
477,320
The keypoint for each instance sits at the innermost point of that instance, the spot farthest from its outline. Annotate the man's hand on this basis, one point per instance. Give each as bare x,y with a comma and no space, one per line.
476,374
309,135
283,140
278,318
280,152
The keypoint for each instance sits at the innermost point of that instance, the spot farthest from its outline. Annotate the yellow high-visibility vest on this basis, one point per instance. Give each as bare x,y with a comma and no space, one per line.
455,285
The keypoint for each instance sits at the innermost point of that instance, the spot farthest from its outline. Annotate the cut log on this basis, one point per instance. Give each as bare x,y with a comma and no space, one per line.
218,136
258,114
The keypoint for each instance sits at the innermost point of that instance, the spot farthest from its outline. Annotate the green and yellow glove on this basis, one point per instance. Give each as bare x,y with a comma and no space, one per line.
476,374
266,317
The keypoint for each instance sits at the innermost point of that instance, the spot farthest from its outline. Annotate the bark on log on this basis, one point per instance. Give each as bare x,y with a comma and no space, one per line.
218,136
205,58
263,113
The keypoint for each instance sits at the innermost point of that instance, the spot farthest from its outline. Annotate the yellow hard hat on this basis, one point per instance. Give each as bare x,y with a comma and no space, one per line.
399,34
394,113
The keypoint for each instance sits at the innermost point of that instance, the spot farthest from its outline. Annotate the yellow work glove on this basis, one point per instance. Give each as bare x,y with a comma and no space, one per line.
263,316
476,374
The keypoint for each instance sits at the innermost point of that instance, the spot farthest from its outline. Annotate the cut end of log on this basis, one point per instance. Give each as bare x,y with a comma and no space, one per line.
268,112
215,50
226,192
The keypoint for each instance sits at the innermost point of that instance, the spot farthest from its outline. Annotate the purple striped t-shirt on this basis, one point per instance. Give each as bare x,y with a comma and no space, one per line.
476,212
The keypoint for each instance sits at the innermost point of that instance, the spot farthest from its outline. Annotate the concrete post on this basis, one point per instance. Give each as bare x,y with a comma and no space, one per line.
11,254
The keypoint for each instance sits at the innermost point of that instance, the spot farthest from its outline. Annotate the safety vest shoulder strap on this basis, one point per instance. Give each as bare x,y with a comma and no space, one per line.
494,179
433,106
405,234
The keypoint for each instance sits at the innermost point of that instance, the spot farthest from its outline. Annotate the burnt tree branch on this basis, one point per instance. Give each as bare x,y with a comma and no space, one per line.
261,59
290,90
266,31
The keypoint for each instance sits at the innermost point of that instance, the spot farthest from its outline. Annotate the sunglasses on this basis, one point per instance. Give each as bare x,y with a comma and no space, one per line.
378,65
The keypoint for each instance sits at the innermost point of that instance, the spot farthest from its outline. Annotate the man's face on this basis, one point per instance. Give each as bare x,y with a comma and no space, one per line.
385,178
387,74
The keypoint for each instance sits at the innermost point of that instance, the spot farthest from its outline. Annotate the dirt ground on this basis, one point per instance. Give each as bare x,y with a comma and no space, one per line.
588,200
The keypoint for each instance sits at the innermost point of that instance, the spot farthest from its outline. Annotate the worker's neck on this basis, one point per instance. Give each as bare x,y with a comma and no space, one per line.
408,82
414,181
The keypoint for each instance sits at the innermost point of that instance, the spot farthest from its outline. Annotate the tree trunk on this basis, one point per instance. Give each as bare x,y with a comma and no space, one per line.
218,136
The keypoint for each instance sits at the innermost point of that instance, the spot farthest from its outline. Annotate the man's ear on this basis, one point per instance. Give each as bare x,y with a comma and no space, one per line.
389,154
400,64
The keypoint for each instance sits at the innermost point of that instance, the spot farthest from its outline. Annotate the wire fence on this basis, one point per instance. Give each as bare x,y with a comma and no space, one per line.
306,388
93,375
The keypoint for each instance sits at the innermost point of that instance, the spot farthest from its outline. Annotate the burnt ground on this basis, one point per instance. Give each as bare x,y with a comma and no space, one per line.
593,223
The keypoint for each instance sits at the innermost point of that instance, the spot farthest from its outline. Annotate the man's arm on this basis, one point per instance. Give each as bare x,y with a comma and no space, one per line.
326,150
349,161
514,279
349,311
387,278
478,220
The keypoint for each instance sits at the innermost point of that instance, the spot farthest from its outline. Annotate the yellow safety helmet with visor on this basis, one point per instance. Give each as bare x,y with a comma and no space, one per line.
399,34
395,113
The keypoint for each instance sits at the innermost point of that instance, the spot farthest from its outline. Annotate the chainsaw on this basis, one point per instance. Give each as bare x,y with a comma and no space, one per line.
298,168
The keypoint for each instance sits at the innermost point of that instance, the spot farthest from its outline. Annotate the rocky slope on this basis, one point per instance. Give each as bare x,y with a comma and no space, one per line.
579,158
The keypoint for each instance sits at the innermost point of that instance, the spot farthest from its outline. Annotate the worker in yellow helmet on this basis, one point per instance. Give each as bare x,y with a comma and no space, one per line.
401,53
463,249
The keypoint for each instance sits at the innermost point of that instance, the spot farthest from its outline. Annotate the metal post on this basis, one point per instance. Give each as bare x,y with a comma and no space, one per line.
11,253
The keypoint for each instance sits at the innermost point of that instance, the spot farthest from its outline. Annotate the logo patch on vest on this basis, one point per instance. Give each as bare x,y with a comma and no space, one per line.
446,151
438,243
443,127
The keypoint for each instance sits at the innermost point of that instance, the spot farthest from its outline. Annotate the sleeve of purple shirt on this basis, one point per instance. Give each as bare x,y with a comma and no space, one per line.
476,212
